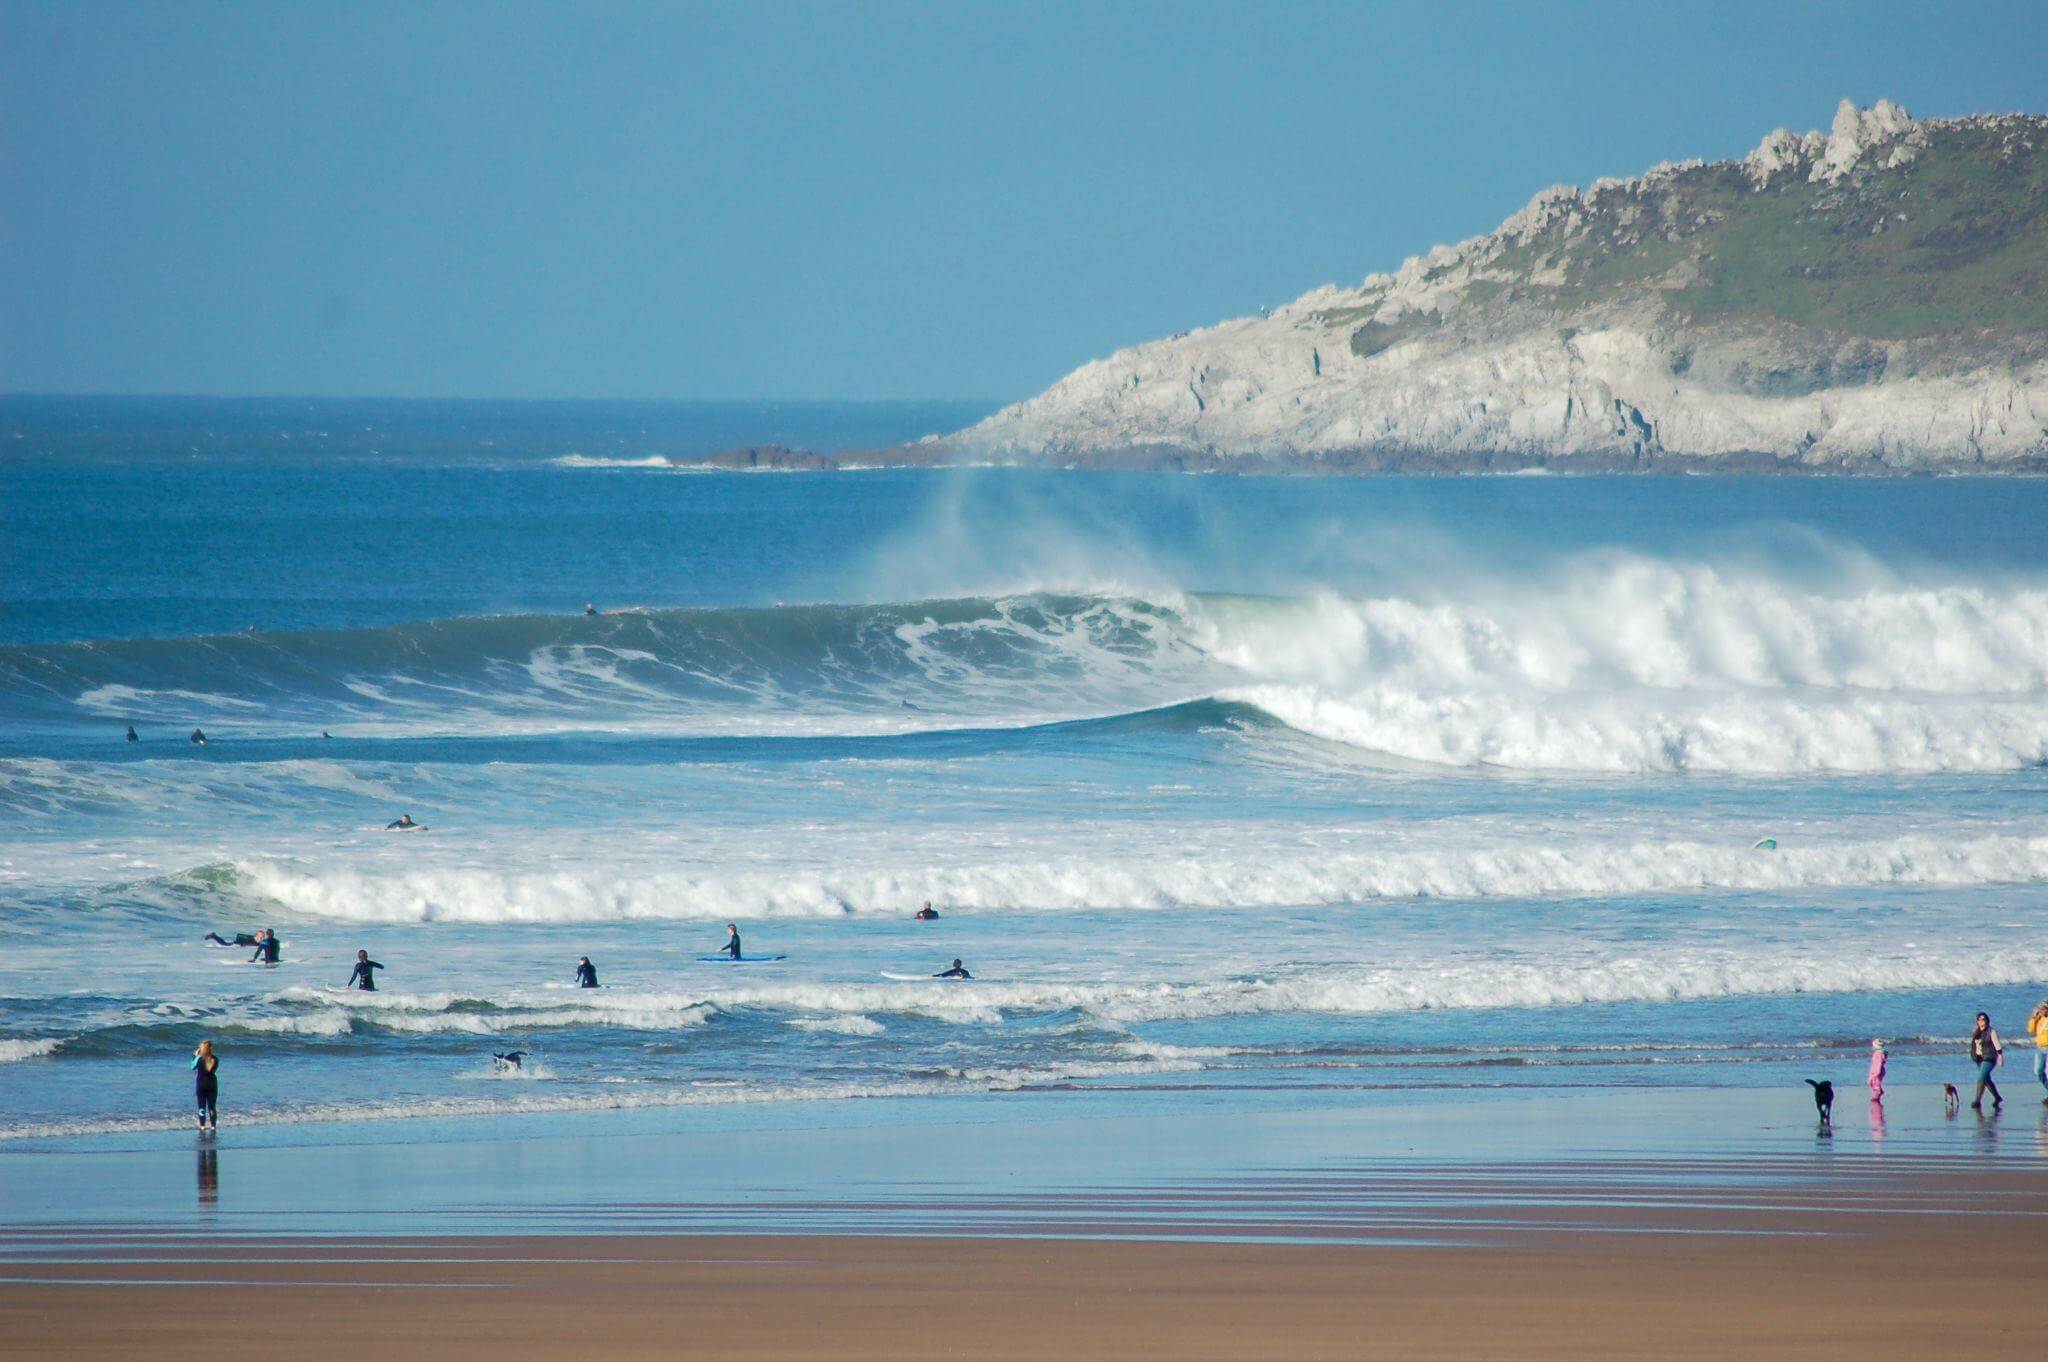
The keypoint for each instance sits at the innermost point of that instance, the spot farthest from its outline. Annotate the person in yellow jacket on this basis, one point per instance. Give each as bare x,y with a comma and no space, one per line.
2037,1027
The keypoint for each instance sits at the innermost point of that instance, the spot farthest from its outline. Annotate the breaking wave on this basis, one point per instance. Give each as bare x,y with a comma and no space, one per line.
1619,664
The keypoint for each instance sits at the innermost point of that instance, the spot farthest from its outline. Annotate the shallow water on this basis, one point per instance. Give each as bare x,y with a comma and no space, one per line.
1262,786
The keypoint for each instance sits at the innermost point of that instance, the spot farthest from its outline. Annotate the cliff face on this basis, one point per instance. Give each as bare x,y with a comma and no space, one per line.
1874,297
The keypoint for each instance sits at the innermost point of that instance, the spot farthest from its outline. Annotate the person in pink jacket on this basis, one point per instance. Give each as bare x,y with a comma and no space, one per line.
1877,1058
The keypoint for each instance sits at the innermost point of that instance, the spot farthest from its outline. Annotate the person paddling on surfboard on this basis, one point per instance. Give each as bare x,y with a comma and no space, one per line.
732,943
926,913
402,823
959,971
364,975
586,973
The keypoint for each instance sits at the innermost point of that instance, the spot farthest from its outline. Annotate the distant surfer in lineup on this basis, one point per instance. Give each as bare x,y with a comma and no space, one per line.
267,947
927,913
959,971
132,736
206,1085
732,942
586,973
589,609
402,823
364,975
198,739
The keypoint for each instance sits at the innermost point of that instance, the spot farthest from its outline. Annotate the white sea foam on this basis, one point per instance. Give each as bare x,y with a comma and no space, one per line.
853,1025
1521,868
13,1050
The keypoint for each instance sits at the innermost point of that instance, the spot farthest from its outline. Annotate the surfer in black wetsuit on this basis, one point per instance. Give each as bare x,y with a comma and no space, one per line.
589,609
132,736
402,823
267,946
363,977
732,943
959,971
586,973
197,739
927,913
241,939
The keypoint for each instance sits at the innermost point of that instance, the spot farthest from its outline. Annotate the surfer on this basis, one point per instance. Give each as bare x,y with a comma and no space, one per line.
586,973
325,734
732,942
511,1059
206,1085
198,739
402,823
241,939
959,971
363,976
267,946
132,736
589,609
927,913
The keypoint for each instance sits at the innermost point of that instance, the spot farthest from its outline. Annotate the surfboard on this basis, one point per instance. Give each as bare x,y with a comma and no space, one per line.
743,960
924,978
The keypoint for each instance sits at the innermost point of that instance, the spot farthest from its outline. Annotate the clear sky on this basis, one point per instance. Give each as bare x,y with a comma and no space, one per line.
830,200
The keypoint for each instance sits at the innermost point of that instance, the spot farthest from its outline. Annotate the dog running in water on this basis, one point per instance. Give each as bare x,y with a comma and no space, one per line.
510,1060
1823,1099
1951,1100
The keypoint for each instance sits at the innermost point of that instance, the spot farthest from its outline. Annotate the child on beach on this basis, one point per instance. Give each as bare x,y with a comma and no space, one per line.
1877,1058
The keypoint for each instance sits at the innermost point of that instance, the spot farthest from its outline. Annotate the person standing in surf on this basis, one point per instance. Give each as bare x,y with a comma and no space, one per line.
363,976
586,973
2037,1027
732,942
1986,1052
206,1085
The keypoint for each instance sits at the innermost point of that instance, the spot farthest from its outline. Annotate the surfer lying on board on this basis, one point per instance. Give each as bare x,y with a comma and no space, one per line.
959,971
241,939
402,823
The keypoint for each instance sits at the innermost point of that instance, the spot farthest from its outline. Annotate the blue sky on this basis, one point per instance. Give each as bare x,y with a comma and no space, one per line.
830,200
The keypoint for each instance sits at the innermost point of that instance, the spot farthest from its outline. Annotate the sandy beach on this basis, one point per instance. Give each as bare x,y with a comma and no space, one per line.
1877,1267
1677,1225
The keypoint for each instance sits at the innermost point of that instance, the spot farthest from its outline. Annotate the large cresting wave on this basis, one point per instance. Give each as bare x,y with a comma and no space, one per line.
1617,663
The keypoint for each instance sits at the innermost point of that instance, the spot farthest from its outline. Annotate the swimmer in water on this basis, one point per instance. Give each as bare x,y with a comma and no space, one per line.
363,976
586,973
132,737
402,823
198,739
589,609
732,942
959,971
927,913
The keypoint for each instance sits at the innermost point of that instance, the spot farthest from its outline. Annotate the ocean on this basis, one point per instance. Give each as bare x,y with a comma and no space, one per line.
1235,791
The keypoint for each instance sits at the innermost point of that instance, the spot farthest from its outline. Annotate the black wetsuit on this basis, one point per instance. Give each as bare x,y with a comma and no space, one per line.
732,947
362,976
206,1089
266,950
954,973
241,939
586,975
927,915
132,735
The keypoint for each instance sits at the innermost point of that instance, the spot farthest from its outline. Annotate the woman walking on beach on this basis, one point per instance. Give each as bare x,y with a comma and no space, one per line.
206,1085
1985,1053
2037,1027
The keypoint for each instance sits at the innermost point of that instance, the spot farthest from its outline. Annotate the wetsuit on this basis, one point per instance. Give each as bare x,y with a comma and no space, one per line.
131,734
266,950
586,975
362,976
241,939
732,947
206,1089
401,824
954,973
926,915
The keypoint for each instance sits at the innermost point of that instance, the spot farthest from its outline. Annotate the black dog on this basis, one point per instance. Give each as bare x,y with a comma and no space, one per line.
1951,1100
1823,1100
509,1060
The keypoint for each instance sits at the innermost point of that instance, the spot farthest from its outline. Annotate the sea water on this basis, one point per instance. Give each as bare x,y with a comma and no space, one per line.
1269,787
